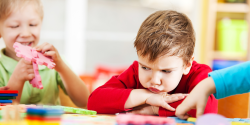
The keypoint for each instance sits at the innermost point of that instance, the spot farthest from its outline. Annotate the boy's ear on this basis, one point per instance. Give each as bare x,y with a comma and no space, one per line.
188,66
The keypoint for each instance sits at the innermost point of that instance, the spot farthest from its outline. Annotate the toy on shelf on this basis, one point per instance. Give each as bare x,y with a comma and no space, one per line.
6,95
131,119
37,58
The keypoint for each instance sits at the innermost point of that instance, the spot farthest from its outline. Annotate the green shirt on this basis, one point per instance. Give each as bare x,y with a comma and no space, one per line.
50,79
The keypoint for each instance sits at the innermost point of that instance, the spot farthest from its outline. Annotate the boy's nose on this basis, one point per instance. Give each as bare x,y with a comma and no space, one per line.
25,32
156,80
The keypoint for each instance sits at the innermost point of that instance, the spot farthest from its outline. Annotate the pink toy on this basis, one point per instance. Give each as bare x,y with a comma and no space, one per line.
31,54
127,119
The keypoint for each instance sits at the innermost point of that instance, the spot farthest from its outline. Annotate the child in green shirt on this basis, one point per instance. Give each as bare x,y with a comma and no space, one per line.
20,21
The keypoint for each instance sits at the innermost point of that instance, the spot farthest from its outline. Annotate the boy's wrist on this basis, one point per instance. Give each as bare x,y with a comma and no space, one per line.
155,110
16,78
60,66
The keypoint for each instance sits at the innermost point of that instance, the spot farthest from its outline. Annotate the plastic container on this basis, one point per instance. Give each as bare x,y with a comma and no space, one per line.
221,64
232,35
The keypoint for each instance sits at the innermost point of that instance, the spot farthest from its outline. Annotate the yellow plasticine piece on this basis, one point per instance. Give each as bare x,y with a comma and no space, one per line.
239,123
14,123
191,119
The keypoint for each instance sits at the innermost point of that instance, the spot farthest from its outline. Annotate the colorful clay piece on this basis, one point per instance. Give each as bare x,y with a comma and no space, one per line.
8,91
212,119
8,94
177,120
73,110
43,114
37,58
131,119
5,101
238,120
7,97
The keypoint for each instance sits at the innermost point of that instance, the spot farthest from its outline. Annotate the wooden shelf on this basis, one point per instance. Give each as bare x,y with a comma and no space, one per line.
233,7
230,56
214,11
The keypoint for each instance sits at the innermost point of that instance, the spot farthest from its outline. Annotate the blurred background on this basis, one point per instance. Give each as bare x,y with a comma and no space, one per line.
95,37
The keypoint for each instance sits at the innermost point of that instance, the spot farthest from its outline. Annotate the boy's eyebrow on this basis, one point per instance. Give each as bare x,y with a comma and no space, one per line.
142,64
160,69
169,68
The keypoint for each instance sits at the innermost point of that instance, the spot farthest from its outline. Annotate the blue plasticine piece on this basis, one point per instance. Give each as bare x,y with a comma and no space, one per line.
8,94
177,120
238,120
73,110
44,111
5,101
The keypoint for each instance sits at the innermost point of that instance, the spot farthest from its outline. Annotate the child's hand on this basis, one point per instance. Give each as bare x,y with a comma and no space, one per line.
4,88
145,110
50,51
23,71
197,99
162,100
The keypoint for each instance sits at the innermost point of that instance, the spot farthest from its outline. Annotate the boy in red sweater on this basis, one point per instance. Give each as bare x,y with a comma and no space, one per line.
165,46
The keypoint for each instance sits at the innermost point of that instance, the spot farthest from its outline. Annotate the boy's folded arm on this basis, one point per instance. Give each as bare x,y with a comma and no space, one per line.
112,96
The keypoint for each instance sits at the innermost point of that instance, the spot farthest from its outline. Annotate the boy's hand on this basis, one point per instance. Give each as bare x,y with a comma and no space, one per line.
50,51
197,99
162,100
23,71
145,110
4,88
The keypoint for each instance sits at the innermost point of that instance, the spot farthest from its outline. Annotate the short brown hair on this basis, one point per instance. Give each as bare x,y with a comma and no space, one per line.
8,6
166,32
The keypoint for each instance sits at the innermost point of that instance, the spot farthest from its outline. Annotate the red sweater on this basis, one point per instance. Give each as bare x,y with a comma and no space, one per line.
110,98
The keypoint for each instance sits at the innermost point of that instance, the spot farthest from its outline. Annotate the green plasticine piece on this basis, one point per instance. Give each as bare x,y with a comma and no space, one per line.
23,115
7,97
75,110
93,112
68,109
86,112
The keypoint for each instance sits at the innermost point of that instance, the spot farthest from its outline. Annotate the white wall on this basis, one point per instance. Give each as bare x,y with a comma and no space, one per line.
101,32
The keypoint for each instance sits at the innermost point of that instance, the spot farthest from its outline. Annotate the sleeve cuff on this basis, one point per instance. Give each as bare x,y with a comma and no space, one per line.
161,112
219,84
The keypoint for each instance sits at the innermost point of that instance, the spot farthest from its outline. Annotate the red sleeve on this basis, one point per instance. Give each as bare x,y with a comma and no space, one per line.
193,79
111,97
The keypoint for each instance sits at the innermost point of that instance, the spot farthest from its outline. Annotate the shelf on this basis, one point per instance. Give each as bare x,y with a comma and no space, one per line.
230,56
233,7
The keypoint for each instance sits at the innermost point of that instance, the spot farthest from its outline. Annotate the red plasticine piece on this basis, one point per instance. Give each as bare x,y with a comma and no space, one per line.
126,119
31,54
9,91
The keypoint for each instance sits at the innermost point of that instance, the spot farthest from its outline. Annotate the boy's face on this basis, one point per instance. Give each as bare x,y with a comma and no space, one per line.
163,75
23,26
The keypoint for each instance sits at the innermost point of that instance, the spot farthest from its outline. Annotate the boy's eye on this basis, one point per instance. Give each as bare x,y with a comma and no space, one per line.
14,26
33,24
166,71
145,68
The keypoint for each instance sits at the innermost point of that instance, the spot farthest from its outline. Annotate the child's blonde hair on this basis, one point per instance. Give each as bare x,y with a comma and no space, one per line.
8,6
166,32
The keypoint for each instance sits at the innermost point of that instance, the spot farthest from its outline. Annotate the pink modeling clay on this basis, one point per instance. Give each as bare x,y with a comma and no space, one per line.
127,119
31,54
